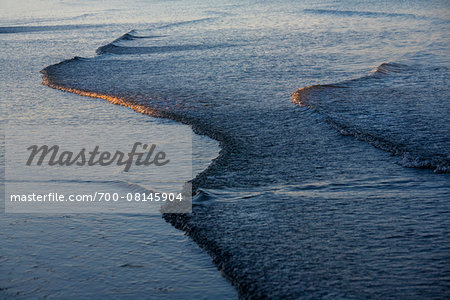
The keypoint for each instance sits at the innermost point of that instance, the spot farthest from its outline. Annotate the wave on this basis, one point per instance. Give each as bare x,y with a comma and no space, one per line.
385,108
389,68
132,35
47,80
20,29
124,50
264,144
129,186
189,22
353,13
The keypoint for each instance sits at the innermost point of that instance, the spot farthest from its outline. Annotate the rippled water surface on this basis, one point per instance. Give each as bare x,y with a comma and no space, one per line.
86,255
299,202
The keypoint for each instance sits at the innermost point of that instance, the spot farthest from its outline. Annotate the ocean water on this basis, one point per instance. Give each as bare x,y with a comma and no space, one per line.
333,122
94,255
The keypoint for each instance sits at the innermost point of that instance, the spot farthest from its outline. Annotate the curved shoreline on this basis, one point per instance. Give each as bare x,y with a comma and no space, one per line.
179,221
220,256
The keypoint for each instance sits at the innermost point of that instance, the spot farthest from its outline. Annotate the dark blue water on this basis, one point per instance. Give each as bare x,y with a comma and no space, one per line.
300,203
94,255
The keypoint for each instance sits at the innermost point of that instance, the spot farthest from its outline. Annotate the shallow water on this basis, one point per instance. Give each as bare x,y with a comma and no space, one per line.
293,207
98,254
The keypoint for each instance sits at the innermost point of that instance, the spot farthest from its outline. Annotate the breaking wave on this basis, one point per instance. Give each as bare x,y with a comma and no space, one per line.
386,108
352,13
21,29
263,206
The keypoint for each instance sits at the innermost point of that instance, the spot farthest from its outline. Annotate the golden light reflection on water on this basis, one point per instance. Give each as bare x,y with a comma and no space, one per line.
300,96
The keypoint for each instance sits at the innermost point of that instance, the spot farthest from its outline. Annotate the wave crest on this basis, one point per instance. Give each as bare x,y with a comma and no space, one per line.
389,112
